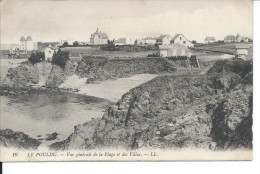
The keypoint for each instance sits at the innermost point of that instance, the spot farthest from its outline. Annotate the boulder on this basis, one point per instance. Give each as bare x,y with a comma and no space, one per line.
21,76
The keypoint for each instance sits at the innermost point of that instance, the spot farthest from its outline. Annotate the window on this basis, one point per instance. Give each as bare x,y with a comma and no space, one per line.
50,52
180,38
184,42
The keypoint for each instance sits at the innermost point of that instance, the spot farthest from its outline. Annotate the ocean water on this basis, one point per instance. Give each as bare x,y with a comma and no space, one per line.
38,115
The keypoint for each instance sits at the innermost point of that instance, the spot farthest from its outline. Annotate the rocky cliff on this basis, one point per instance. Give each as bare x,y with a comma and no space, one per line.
10,138
202,111
58,75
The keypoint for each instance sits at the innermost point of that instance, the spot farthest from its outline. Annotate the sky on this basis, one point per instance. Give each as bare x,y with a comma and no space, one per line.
54,20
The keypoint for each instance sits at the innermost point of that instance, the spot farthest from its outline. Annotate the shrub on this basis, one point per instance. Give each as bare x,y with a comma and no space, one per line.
76,43
60,58
65,44
36,57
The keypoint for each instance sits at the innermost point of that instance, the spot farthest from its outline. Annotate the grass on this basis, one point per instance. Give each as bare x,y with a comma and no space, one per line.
95,51
227,48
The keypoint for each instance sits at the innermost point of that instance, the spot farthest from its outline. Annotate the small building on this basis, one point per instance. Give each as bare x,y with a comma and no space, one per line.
174,50
49,51
241,51
209,39
98,38
164,39
181,40
230,39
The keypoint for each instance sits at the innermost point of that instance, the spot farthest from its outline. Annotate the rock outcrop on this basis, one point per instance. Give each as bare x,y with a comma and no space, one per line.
99,68
20,77
56,77
10,138
203,111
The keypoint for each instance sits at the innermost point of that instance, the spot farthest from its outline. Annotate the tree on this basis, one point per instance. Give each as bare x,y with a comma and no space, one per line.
75,44
65,44
194,42
111,42
135,42
60,58
36,57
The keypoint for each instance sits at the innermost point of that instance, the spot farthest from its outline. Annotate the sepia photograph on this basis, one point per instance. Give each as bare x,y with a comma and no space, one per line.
121,80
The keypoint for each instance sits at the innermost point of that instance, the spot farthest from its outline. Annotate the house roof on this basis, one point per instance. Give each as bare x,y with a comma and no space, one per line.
22,38
100,35
103,36
29,38
163,36
52,47
177,35
208,38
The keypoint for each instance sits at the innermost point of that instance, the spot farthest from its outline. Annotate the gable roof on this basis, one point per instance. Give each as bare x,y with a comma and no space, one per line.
52,47
100,35
162,36
22,38
103,36
29,38
177,35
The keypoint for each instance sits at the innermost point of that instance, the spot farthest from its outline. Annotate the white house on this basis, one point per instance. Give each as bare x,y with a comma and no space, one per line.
164,39
174,50
49,51
27,44
98,38
209,39
181,40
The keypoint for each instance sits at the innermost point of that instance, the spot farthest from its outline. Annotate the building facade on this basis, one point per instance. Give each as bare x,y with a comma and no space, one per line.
181,40
27,44
98,38
164,39
49,51
174,50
